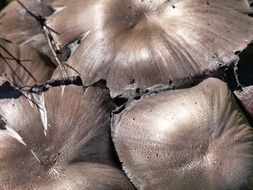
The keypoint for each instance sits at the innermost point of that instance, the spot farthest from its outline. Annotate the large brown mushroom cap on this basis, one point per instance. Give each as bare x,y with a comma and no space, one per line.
57,140
23,65
137,44
194,138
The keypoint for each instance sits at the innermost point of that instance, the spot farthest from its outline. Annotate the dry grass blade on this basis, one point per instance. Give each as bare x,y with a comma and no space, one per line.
48,33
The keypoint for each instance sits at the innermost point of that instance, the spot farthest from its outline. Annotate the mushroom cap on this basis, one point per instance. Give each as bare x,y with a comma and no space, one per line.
194,138
59,139
23,65
137,44
24,29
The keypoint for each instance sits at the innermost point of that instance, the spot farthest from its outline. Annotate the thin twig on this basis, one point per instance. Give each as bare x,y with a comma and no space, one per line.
18,61
12,70
75,80
4,40
42,87
47,31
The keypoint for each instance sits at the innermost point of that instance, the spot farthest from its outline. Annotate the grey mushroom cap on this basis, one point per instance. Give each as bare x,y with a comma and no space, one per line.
137,44
59,139
194,138
24,65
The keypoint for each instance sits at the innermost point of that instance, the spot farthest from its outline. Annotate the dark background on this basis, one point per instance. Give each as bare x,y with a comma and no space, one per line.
3,3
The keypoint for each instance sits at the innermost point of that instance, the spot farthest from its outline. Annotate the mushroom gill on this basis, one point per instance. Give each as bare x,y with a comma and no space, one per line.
194,138
137,44
72,151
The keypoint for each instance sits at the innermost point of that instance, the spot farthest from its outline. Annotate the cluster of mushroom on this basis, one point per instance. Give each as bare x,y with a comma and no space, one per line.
125,94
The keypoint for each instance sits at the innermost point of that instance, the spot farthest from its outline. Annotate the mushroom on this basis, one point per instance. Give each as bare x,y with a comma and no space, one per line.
24,66
18,26
195,138
68,148
138,44
60,137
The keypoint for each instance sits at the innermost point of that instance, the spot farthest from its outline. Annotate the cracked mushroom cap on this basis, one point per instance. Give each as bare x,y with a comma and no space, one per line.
23,65
57,140
194,138
137,44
